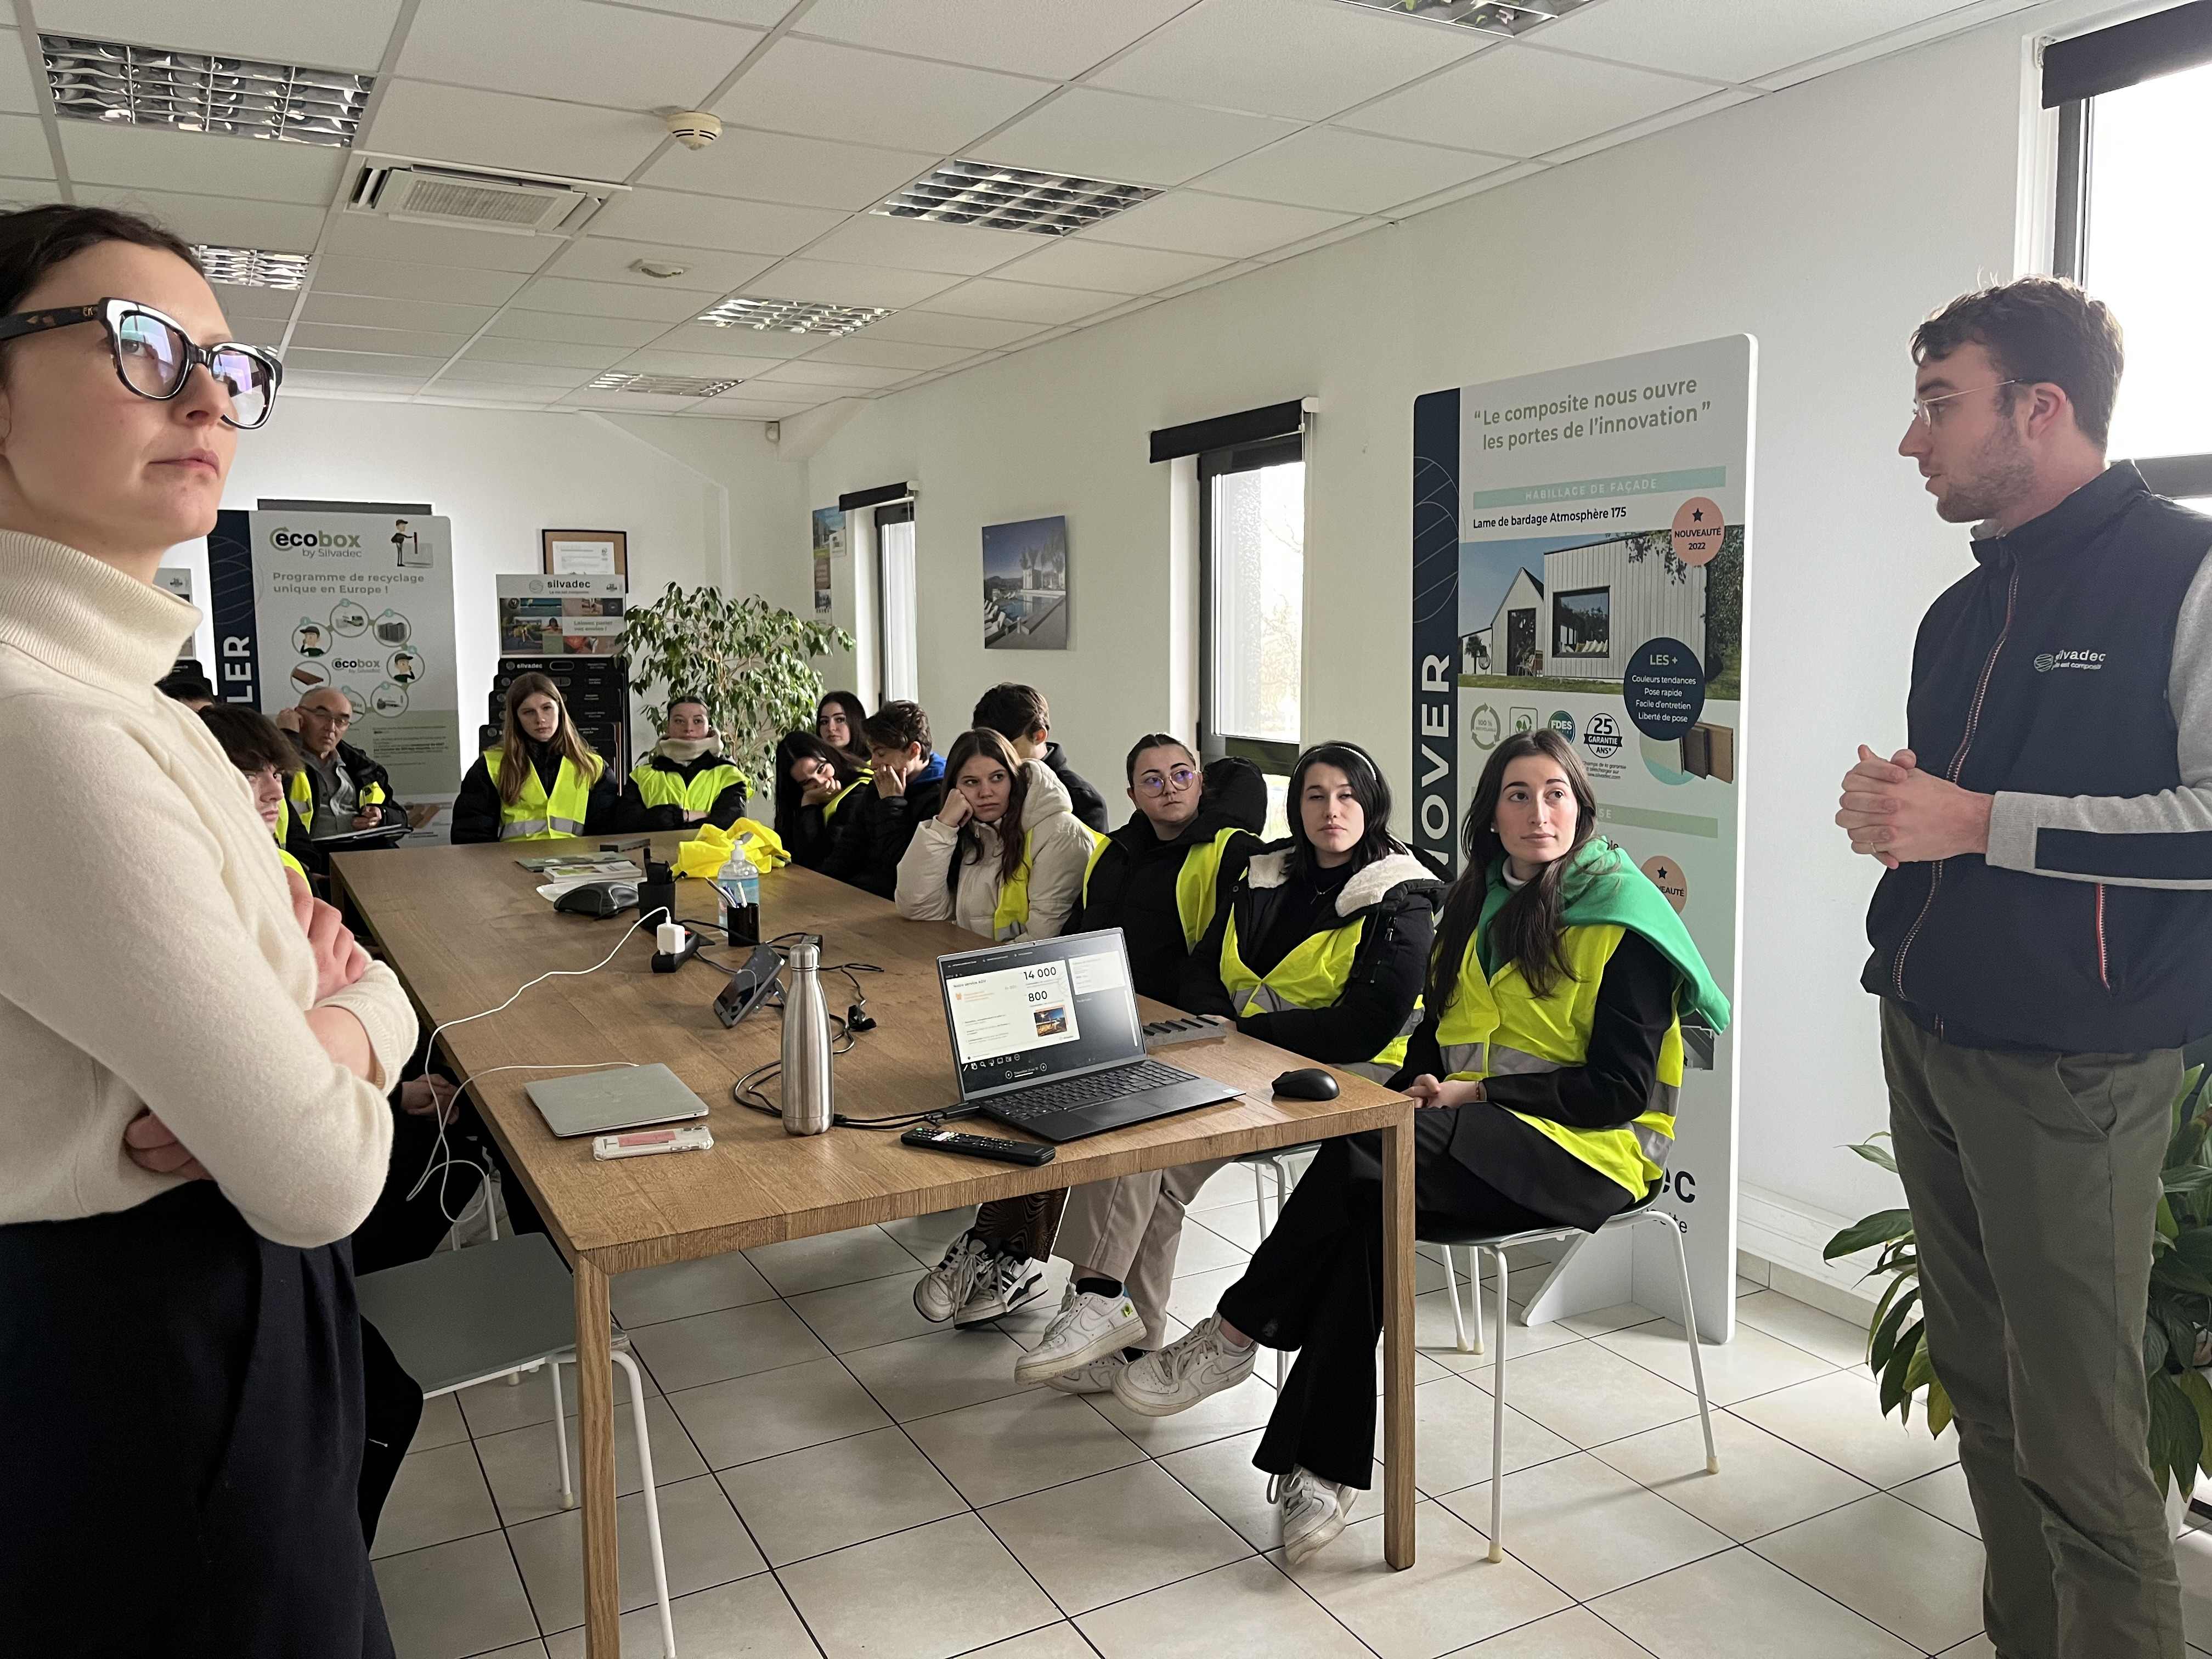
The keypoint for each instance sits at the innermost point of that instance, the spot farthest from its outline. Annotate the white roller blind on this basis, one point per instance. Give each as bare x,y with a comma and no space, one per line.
900,625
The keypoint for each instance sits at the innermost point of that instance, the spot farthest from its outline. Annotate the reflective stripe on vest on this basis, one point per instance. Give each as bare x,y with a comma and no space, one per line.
531,815
658,788
1501,1028
1313,975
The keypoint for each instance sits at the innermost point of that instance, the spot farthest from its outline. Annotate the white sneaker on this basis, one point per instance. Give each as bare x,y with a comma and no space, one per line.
1088,1327
1314,1511
1176,1378
1096,1378
1002,1284
940,1292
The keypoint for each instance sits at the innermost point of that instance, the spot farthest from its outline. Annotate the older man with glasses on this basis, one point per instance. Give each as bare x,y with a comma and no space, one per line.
340,790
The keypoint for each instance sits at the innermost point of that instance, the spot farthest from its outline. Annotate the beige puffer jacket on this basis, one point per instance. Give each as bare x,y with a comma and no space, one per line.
1060,852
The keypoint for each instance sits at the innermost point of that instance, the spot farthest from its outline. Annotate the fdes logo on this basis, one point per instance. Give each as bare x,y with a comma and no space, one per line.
2089,661
1562,723
315,538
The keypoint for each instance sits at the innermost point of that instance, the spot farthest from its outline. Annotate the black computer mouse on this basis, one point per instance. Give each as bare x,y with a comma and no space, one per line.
599,898
1307,1083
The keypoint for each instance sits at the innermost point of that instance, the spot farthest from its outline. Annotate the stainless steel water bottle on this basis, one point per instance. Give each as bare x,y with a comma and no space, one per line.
807,1089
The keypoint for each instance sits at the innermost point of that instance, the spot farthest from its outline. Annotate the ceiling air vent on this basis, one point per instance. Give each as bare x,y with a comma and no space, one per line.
416,194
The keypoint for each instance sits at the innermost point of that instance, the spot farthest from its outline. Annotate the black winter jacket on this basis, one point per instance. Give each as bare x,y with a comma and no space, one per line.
1087,804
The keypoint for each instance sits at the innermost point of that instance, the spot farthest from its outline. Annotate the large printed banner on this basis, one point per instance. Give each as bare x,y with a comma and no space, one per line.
1579,549
360,602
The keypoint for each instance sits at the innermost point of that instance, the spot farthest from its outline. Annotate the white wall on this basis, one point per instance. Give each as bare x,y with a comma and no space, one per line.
1826,221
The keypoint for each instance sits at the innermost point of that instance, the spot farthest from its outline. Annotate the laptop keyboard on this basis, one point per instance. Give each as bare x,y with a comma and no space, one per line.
1048,1098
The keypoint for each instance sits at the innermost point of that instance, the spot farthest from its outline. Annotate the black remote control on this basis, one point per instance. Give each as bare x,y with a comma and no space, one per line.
1006,1151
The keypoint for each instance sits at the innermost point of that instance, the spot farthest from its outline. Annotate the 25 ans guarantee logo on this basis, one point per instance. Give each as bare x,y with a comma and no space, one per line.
1602,736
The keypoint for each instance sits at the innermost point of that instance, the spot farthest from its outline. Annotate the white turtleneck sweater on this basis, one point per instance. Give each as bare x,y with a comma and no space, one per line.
149,956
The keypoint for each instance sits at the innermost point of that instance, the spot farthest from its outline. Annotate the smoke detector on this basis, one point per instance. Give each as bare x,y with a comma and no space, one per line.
695,129
659,268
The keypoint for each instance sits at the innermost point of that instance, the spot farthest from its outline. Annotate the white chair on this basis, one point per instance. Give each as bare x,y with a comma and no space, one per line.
460,1317
1498,1244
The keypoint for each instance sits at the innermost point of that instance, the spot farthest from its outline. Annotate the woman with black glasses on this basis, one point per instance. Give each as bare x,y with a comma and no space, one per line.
196,1052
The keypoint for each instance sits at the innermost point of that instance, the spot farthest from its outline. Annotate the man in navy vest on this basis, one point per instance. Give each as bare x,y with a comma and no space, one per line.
2040,938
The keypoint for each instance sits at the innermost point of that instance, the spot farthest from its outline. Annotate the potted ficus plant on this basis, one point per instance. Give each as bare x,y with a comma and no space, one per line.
752,664
2177,1333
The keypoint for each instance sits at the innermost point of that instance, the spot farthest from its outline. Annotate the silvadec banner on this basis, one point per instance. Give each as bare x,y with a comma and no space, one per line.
359,602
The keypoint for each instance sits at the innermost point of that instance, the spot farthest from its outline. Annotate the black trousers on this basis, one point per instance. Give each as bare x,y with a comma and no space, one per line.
182,1404
1314,1285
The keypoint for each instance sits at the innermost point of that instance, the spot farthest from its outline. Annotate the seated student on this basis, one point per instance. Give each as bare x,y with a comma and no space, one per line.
907,781
838,718
260,750
1004,858
339,788
1552,999
816,785
1317,945
1020,714
543,782
686,779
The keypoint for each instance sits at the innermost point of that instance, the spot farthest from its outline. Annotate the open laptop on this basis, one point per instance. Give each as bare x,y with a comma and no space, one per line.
1045,1036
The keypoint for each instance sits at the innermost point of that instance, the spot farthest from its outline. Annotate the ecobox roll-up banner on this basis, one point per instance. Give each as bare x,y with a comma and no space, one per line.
355,601
1580,542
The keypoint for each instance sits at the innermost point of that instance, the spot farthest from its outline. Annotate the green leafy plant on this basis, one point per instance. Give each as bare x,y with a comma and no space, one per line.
2177,1332
753,665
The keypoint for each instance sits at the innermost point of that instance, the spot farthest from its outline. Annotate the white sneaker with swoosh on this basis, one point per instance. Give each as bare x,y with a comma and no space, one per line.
1200,1363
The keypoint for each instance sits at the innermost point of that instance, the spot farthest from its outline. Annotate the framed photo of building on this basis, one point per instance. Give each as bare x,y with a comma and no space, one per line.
585,553
1025,586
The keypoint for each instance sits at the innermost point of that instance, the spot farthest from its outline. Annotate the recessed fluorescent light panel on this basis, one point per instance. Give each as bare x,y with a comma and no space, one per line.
666,385
1489,18
1012,198
194,92
791,316
251,267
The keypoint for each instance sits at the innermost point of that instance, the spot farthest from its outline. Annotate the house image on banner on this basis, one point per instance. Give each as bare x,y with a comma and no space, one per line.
1595,607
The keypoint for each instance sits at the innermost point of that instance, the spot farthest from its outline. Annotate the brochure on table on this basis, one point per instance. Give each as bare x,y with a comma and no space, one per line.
1580,543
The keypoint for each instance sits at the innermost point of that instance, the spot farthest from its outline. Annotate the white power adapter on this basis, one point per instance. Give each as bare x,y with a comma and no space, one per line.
668,939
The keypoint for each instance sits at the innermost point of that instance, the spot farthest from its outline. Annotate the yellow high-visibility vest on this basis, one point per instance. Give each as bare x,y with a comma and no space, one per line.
531,815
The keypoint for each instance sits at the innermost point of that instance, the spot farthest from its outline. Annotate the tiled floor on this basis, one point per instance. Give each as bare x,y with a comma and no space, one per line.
837,1477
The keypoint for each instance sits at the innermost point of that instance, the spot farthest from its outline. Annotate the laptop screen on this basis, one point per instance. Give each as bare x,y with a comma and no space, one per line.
1040,1008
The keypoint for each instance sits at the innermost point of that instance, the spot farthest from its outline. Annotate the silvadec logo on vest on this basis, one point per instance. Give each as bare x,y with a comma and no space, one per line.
2088,660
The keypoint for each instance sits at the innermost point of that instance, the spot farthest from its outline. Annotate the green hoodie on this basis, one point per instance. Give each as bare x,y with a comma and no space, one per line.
1604,889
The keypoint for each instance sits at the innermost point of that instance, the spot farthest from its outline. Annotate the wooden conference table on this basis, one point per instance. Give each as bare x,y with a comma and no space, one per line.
463,927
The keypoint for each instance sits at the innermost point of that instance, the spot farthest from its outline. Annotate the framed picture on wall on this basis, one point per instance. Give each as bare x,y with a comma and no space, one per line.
585,553
1025,586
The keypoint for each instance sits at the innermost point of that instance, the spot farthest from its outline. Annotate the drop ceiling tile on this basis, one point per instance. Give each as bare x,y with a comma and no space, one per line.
1515,100
543,374
388,279
351,36
457,385
370,237
1186,221
466,127
1723,40
158,158
705,271
704,365
716,221
1708,106
237,302
777,166
362,363
627,403
847,285
807,371
877,353
337,336
727,343
304,383
1138,141
366,313
1343,232
554,354
1350,172
608,300
18,92
876,238
927,328
986,296
585,54
759,13
523,324
1302,58
23,151
258,331
724,408
1080,262
838,92
285,225
1058,41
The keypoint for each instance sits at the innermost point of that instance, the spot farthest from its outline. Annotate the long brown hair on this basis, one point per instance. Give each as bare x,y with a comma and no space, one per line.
1526,929
514,764
988,745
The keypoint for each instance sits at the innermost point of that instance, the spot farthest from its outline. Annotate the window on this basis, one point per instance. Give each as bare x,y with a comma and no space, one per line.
1582,622
1252,574
2135,105
897,600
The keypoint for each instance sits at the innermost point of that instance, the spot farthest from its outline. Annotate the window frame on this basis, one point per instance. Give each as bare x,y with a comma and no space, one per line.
880,519
1270,757
1558,600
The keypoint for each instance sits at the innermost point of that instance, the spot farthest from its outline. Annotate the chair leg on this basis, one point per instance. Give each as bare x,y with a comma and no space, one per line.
1690,1330
1475,1296
652,1505
1459,1314
1496,1414
561,1435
